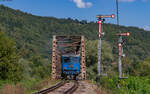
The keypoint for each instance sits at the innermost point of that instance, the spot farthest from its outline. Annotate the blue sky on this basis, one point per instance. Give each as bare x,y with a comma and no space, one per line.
132,12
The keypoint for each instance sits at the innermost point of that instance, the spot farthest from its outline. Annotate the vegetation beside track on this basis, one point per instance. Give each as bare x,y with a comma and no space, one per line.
137,83
132,85
26,86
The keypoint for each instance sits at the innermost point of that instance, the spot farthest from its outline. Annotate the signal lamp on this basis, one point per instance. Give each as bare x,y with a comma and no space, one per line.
100,22
112,16
127,34
119,44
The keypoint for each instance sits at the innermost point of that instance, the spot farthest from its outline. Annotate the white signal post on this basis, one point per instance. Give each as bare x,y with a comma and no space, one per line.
100,34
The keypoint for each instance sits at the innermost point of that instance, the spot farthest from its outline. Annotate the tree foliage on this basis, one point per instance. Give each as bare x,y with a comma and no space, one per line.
9,67
91,57
144,68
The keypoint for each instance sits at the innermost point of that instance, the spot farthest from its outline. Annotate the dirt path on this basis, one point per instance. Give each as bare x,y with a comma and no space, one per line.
86,88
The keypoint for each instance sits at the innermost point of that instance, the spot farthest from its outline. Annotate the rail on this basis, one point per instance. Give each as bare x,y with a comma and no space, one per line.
73,88
51,88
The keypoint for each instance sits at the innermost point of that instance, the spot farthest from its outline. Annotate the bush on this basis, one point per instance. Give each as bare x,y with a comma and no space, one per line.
132,85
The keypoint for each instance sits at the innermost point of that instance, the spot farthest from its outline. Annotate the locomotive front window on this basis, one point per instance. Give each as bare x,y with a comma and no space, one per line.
75,59
66,59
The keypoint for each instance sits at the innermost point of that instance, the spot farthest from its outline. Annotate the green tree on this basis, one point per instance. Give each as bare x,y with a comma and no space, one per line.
144,68
91,57
10,69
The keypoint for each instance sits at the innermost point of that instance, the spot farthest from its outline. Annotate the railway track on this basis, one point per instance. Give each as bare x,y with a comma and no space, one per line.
45,91
64,87
73,88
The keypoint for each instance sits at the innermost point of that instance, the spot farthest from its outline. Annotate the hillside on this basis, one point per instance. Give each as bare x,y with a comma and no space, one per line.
35,32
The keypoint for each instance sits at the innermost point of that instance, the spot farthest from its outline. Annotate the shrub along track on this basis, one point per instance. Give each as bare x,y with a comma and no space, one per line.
64,87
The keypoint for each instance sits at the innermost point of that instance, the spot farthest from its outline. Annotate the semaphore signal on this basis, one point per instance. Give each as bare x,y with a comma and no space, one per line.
123,34
101,19
106,16
120,52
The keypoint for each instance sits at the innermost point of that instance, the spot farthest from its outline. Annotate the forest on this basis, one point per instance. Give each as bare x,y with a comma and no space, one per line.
25,50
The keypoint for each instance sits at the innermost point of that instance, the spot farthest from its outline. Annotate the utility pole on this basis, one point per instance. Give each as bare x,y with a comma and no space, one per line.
100,22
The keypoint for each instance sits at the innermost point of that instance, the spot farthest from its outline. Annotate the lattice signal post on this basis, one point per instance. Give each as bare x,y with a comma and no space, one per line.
101,19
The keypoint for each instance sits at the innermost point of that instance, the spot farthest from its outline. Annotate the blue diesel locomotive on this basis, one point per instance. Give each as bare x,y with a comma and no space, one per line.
70,66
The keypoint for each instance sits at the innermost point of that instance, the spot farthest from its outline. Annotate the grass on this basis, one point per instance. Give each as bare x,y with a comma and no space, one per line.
25,86
99,89
132,85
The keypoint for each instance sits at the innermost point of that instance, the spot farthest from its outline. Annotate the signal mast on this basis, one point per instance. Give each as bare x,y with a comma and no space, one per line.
101,19
120,52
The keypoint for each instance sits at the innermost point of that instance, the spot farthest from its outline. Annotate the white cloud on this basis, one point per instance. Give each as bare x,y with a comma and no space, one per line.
82,4
146,27
127,0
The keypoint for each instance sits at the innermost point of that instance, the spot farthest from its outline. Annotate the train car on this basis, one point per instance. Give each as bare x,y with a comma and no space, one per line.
70,66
